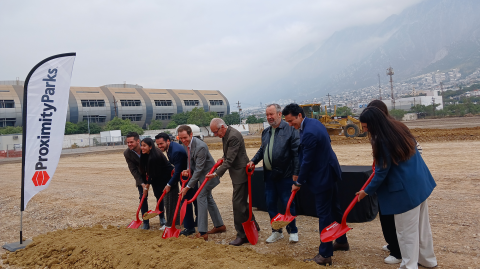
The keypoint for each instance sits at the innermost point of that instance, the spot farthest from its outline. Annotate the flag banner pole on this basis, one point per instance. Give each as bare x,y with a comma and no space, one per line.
45,102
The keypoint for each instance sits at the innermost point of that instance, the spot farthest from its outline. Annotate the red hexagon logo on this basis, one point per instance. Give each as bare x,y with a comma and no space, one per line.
40,178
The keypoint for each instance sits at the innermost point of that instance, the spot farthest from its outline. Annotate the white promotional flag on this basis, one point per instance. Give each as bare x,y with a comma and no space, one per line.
44,114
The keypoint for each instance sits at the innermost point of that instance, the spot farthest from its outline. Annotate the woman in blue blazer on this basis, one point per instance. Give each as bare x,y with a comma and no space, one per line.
403,183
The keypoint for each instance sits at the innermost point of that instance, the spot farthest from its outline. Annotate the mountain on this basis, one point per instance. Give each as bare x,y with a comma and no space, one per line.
432,35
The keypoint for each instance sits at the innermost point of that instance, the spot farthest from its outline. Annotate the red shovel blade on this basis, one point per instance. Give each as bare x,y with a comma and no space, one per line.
249,226
251,231
333,231
171,232
135,224
151,214
281,221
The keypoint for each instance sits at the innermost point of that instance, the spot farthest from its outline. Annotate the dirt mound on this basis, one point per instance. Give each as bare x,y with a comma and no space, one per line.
114,247
422,135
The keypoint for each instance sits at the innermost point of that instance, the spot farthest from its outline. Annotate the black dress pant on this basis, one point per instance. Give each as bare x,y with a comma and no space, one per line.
390,234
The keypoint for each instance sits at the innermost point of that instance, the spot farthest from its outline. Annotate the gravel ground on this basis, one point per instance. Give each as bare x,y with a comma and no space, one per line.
98,189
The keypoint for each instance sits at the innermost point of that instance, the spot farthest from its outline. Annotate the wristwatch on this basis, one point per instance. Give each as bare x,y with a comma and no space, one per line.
296,184
214,174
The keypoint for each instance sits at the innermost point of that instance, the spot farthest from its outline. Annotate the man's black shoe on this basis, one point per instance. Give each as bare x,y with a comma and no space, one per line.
187,232
145,226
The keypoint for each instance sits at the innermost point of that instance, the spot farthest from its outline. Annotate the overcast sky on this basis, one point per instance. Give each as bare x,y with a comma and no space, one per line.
236,47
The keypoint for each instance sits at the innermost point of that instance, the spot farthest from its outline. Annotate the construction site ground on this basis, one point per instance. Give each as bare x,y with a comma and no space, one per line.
79,221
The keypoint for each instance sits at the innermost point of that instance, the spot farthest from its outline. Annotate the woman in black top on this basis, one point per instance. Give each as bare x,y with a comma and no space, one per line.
158,169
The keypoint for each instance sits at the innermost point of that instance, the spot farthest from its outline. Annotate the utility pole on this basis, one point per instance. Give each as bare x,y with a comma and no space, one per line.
379,88
239,112
329,106
441,87
391,73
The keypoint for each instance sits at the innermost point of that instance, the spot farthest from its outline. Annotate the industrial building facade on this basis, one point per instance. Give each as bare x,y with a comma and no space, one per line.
102,104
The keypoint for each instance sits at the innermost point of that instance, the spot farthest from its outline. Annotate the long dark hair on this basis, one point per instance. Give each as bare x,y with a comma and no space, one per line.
386,136
147,160
381,105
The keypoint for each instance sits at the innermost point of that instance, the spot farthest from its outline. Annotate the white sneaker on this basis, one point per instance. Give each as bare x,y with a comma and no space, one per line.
385,248
392,260
274,237
163,228
293,238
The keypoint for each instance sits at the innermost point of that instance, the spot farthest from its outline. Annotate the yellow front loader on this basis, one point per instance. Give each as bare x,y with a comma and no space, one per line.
350,126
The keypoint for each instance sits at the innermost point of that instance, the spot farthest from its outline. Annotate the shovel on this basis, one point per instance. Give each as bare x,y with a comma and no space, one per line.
183,211
153,213
335,230
249,226
280,221
136,223
173,231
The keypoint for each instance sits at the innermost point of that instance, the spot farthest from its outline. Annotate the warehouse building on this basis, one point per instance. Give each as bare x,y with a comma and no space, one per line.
102,104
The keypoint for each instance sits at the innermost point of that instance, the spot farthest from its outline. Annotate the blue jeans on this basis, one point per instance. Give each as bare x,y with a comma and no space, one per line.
275,189
328,211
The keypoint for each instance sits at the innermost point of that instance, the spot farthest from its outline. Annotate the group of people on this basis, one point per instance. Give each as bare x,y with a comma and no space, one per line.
296,153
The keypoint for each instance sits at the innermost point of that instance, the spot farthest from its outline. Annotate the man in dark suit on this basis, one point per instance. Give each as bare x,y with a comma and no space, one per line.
132,156
178,157
235,160
319,171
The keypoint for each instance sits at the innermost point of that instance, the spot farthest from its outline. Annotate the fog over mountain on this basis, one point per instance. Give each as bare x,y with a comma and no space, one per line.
432,35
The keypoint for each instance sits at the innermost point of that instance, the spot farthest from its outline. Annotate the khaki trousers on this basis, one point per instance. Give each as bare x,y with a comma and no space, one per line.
415,238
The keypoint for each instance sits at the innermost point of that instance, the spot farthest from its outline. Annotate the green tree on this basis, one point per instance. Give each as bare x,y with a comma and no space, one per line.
125,126
155,125
181,118
82,128
344,111
11,130
201,118
172,125
253,119
419,109
70,128
397,113
233,118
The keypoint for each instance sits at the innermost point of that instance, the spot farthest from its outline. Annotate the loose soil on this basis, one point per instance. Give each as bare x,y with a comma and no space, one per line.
97,189
114,247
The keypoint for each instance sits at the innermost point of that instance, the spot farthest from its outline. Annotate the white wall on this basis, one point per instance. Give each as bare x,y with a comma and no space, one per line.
7,141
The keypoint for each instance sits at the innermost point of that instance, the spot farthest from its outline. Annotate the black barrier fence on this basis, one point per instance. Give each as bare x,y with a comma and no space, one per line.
353,178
